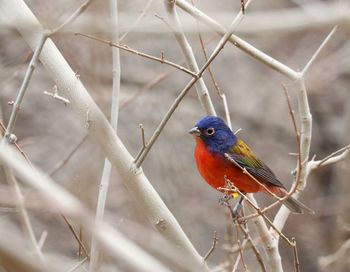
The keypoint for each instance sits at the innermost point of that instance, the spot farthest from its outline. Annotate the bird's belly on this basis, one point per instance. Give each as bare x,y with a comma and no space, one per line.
214,168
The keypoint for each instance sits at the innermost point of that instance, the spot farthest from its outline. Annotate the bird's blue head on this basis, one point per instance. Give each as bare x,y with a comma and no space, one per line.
216,135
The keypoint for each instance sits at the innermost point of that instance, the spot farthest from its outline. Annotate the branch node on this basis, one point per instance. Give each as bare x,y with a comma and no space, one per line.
161,224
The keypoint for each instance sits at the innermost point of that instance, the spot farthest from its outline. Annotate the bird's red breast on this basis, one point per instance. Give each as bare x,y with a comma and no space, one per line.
214,167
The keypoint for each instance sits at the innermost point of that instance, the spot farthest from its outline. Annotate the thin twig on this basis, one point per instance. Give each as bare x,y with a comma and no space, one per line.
105,179
20,150
157,79
241,248
138,19
254,248
24,86
240,255
61,163
71,228
212,248
295,254
317,52
234,189
24,216
138,53
42,239
334,156
299,163
71,18
77,265
325,261
183,93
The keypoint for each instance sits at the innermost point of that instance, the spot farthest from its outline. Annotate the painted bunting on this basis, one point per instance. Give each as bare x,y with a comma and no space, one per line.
219,152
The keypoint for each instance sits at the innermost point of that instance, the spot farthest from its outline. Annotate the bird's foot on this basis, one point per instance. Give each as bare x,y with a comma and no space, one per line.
224,200
237,211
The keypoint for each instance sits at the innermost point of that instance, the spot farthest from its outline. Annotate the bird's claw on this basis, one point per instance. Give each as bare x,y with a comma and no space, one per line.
224,200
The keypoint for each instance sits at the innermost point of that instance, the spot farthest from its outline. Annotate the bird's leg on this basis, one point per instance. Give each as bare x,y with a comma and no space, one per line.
224,200
237,211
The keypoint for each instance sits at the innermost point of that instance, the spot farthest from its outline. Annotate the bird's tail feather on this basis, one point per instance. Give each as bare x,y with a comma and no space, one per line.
295,206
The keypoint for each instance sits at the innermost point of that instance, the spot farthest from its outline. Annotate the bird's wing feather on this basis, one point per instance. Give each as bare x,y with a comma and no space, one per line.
242,155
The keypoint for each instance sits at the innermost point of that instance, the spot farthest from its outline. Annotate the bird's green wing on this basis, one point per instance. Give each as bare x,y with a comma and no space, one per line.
242,155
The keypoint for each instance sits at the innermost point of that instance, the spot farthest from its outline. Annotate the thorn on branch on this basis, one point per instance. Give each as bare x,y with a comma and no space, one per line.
11,138
161,224
242,7
143,135
213,245
55,95
87,120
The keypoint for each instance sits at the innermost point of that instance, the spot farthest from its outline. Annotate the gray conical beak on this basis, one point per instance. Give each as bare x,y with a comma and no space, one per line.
195,131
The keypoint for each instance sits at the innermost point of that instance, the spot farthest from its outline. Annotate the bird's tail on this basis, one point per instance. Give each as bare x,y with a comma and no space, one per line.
295,206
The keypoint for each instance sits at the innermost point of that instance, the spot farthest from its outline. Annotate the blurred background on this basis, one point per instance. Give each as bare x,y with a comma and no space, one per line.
48,130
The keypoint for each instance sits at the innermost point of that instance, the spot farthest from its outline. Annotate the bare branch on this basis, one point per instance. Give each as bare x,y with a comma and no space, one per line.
238,42
107,168
71,228
325,261
317,52
332,158
202,90
138,53
24,86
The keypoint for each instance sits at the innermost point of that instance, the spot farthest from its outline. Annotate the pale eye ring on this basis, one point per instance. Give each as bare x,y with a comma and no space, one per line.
210,131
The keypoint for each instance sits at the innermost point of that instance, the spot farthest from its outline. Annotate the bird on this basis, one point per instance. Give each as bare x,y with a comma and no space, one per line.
220,156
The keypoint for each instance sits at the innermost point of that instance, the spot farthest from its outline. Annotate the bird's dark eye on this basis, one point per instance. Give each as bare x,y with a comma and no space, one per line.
210,131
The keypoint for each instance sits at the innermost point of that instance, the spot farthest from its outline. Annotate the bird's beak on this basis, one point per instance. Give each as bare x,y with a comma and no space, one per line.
195,131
